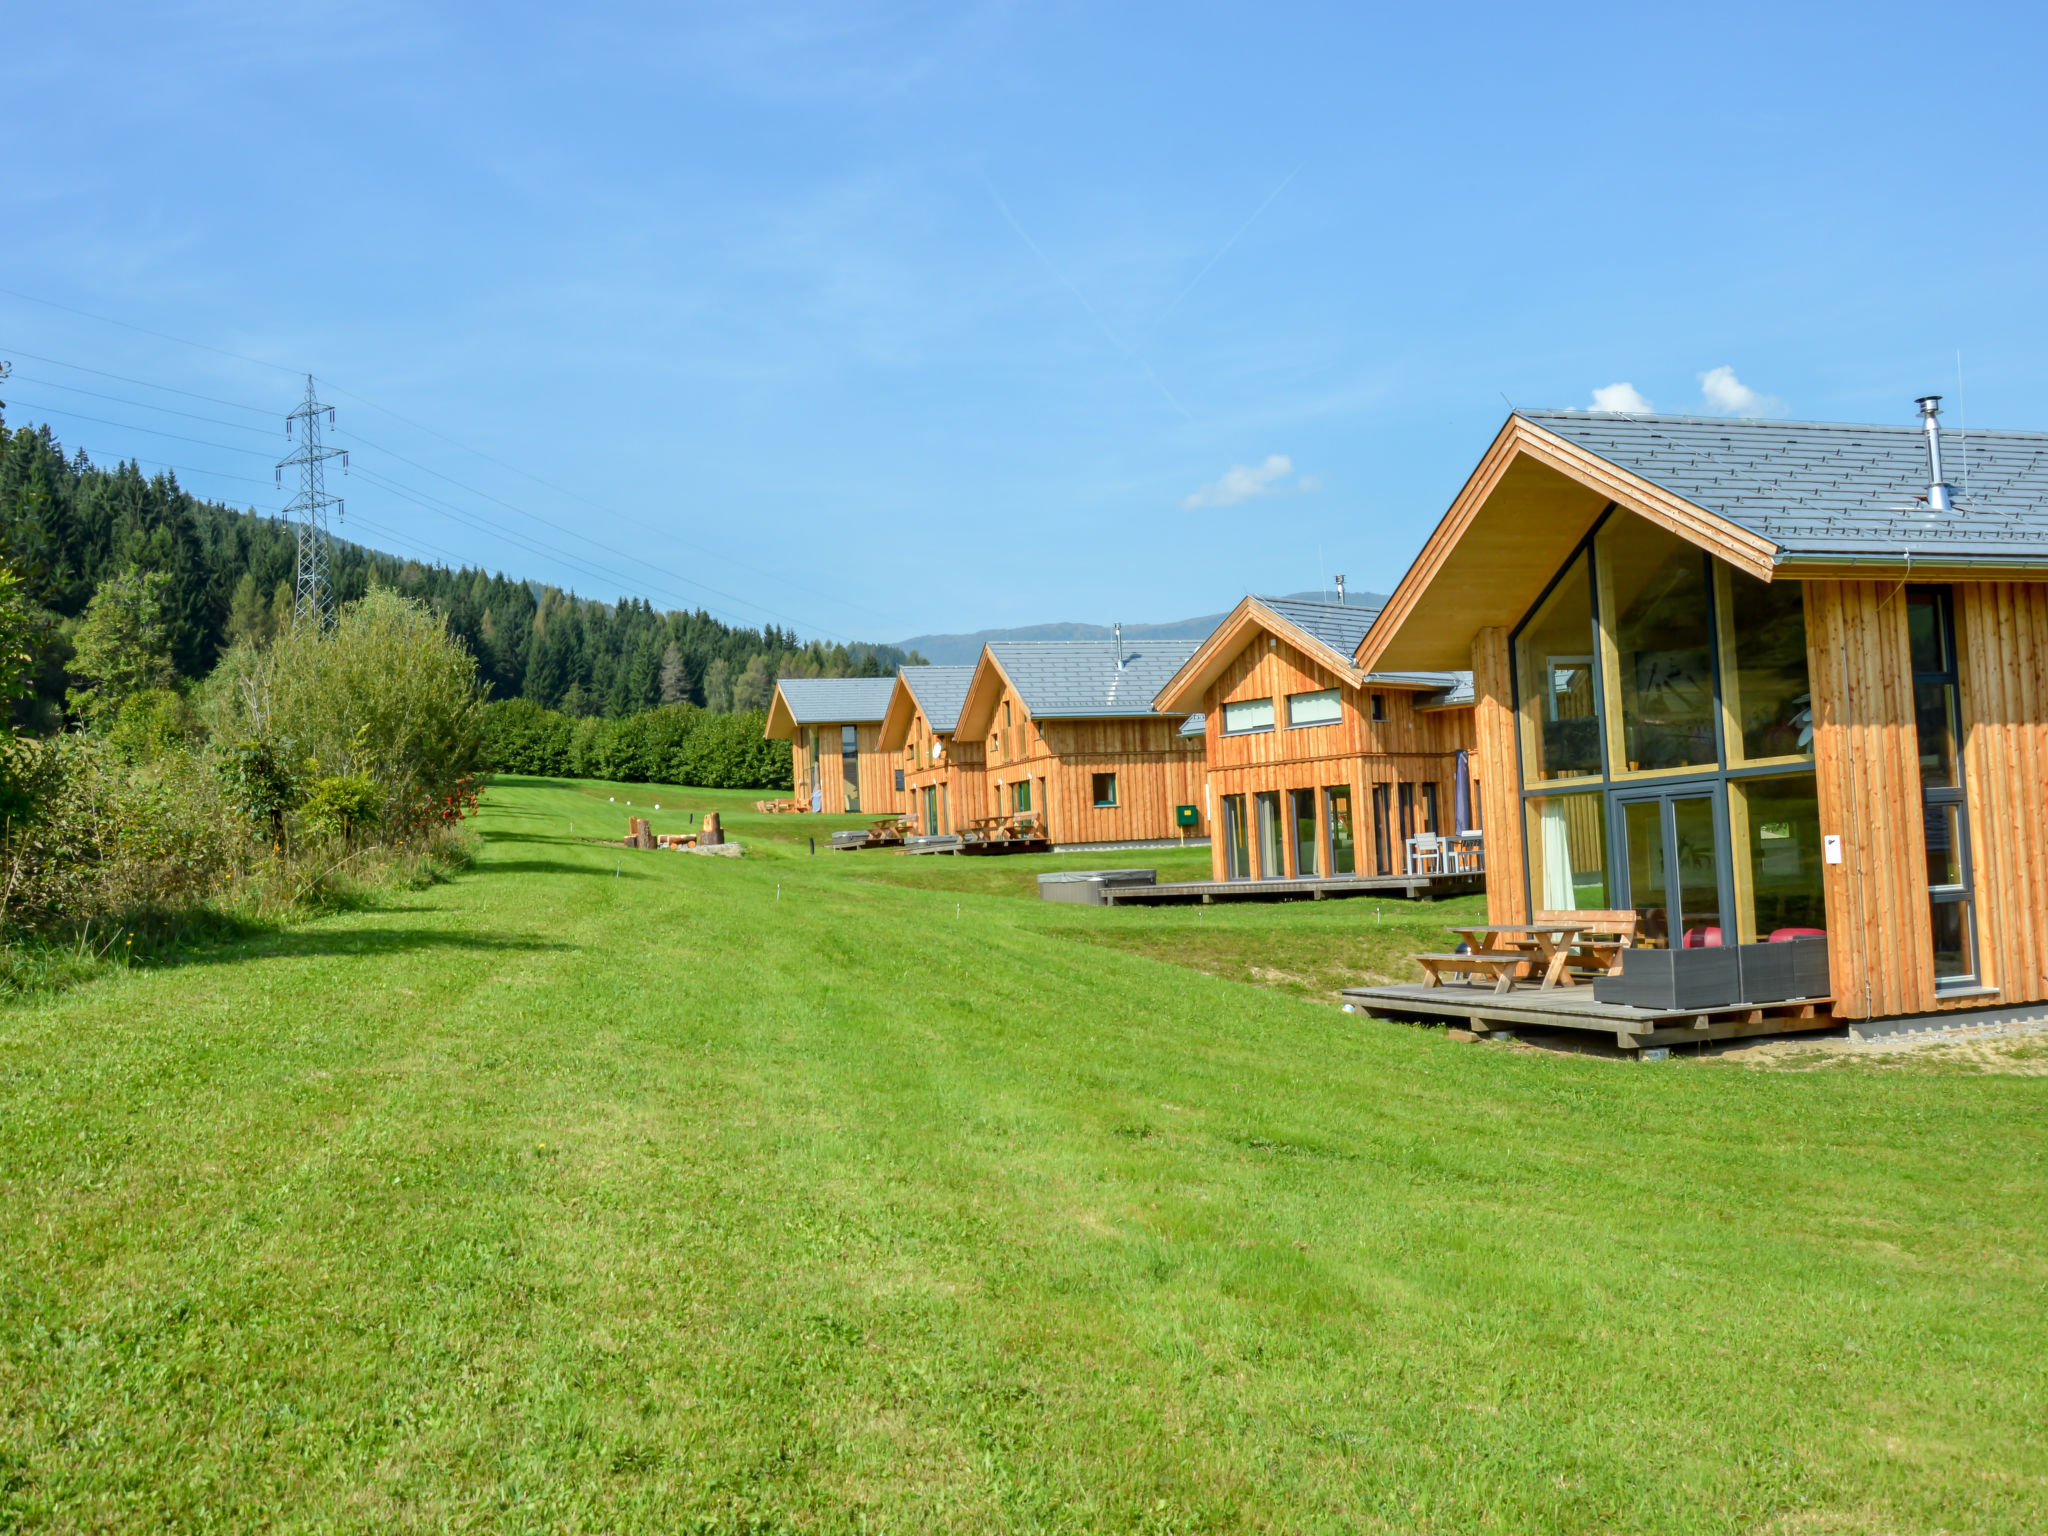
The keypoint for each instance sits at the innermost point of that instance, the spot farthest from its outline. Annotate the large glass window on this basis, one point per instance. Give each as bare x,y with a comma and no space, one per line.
1937,708
1302,805
1237,858
1775,826
1266,805
1568,852
1382,829
1247,715
849,765
1320,708
1770,700
1654,585
1343,838
1554,681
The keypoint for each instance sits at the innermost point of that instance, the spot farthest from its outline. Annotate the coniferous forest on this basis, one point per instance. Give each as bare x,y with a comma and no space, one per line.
67,525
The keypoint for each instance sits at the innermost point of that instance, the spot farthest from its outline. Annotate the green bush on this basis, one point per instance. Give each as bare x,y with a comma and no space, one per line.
346,805
153,723
519,736
388,695
730,752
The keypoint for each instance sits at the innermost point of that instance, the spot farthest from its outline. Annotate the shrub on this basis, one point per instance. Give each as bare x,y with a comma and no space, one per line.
153,723
519,736
344,804
729,752
388,695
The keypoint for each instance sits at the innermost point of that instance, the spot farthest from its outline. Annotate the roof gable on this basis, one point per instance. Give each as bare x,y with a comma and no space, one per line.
1070,679
827,701
935,692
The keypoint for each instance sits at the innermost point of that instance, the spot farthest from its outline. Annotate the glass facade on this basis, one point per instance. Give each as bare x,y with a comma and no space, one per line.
1661,680
1266,805
1237,858
1554,672
1778,857
1656,588
1568,852
1769,700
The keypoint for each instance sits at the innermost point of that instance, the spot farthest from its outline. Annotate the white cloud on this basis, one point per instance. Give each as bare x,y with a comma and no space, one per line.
1621,400
1248,482
1726,395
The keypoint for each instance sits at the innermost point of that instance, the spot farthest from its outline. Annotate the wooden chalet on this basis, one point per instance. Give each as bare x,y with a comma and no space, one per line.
1069,740
1316,769
1759,680
942,775
835,727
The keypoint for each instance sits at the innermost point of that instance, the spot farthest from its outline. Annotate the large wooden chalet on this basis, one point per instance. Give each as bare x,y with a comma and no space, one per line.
1757,680
1069,738
834,725
942,775
1314,768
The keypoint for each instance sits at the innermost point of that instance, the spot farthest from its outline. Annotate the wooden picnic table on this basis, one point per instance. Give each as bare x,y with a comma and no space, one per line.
1503,949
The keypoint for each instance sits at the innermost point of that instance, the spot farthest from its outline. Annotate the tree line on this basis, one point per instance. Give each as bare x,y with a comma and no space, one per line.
67,526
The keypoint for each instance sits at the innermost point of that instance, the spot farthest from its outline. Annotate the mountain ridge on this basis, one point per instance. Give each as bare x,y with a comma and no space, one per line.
961,650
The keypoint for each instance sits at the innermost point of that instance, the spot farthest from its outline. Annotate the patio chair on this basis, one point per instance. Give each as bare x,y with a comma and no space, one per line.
1425,854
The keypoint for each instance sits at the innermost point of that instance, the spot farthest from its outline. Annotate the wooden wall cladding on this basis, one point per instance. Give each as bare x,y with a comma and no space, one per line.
2002,641
1157,769
876,771
1409,746
1866,757
1499,777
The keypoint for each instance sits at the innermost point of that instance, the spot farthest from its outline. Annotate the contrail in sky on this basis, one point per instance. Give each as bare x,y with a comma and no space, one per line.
1061,278
1247,224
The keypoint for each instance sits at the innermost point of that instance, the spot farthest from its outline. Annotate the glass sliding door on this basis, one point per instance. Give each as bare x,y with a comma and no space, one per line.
1272,862
1237,857
1671,859
1337,811
849,764
1382,832
1303,804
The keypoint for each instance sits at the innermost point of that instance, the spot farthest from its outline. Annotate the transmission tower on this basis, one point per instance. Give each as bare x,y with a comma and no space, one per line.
313,602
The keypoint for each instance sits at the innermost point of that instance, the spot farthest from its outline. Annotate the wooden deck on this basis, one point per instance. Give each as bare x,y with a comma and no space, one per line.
1329,888
1479,1008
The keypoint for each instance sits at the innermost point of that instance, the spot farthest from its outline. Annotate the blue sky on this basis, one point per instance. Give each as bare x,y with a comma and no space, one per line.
883,319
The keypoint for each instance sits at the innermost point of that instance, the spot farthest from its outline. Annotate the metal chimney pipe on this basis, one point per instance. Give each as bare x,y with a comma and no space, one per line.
1119,647
1340,591
1941,496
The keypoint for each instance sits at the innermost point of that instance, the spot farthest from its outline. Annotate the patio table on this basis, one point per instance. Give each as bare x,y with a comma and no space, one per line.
1548,945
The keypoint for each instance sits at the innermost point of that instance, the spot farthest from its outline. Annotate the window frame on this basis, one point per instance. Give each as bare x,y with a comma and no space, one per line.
1273,716
1334,695
1095,791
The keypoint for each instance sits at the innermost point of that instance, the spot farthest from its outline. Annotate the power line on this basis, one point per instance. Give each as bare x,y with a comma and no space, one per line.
169,389
144,405
668,534
144,330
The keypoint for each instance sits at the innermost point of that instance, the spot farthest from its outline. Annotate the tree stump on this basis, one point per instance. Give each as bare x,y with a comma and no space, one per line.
712,834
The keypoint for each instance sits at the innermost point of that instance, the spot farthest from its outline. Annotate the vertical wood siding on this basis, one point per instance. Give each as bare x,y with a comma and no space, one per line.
1410,746
1866,757
1500,788
876,771
2002,638
1156,767
954,768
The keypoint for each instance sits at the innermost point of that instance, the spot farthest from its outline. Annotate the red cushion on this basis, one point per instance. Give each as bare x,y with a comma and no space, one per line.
1702,938
1781,935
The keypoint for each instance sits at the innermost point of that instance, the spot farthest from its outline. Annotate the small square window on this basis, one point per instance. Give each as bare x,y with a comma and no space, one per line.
1379,706
899,781
1105,789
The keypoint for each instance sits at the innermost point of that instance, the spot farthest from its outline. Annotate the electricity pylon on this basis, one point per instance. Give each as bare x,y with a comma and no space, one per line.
313,601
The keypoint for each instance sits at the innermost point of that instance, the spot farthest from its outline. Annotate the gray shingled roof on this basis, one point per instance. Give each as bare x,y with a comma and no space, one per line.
939,691
1825,490
1080,677
837,700
1195,725
1340,628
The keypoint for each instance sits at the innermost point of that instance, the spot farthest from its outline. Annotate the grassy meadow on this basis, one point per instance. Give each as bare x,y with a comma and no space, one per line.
602,1190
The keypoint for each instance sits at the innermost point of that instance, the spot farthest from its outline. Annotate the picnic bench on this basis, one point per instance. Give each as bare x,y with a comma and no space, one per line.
1562,945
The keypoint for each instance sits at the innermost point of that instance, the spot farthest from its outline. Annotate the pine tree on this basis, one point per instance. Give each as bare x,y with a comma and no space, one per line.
675,676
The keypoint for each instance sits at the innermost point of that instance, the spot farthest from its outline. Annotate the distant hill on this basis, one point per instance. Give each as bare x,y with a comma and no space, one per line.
962,650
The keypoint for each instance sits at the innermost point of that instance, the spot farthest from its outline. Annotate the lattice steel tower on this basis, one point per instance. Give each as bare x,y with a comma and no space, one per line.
314,599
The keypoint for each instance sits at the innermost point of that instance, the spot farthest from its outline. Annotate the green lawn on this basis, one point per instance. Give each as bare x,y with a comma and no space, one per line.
603,1190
